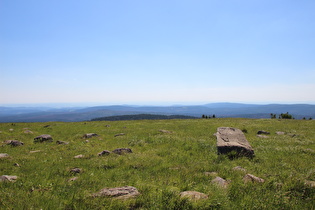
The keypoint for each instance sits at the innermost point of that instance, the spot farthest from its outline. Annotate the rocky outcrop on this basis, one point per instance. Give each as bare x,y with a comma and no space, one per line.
233,141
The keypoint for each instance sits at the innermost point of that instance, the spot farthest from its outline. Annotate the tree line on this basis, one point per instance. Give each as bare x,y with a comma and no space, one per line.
284,116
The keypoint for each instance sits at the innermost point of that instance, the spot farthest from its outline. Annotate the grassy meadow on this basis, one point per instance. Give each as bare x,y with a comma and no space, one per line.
161,166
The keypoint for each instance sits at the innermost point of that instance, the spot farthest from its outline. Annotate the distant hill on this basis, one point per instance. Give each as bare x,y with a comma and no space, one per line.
74,114
143,117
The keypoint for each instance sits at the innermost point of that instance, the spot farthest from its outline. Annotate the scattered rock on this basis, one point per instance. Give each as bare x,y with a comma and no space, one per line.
263,132
61,142
42,138
89,135
310,183
107,126
3,155
46,126
11,129
165,131
252,178
193,195
76,170
239,168
79,156
17,165
119,134
121,151
118,192
28,132
8,178
214,174
280,133
220,182
14,143
73,179
233,140
34,151
104,152
263,136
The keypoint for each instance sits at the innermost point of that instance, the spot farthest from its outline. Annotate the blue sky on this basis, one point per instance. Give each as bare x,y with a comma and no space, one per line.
157,52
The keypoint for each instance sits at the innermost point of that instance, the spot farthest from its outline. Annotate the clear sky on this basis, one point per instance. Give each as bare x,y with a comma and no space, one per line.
157,51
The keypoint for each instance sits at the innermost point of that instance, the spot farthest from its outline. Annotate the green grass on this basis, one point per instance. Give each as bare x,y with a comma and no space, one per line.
160,167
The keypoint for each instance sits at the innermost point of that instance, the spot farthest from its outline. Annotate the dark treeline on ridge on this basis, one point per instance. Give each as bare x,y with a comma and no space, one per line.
142,117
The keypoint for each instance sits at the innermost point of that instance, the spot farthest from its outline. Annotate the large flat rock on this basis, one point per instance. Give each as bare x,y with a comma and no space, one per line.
233,141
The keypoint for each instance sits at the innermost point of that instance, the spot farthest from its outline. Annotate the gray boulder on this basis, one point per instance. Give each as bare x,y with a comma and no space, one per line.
232,141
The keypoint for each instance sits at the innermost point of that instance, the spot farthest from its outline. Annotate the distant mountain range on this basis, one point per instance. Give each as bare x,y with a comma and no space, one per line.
73,114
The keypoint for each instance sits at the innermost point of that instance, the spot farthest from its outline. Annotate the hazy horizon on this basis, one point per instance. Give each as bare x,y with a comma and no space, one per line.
157,52
92,104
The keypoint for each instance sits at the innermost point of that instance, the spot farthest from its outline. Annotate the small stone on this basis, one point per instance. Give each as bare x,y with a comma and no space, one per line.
104,152
214,174
61,142
165,131
262,136
28,132
79,156
15,143
119,134
263,132
193,195
121,151
35,151
76,170
44,137
11,129
89,135
252,178
3,155
118,192
8,178
220,182
310,183
17,165
280,133
73,179
239,168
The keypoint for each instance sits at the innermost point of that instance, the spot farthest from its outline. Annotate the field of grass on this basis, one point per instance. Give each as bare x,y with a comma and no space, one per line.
161,166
